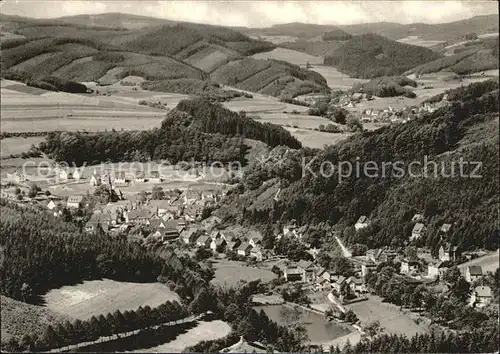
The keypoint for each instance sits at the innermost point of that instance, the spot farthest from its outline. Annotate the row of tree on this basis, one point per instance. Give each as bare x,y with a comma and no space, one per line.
67,333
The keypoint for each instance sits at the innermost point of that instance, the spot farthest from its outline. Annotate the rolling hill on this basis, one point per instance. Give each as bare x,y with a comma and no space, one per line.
299,30
115,20
467,58
442,31
369,55
73,49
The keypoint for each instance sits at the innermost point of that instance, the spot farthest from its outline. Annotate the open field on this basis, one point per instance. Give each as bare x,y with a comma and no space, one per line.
97,297
19,318
291,56
203,331
389,316
231,273
15,146
26,110
489,263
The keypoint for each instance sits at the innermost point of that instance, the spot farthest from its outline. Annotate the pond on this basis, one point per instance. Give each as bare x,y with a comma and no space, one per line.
318,328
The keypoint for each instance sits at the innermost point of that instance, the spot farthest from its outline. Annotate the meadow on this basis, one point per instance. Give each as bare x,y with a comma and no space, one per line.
92,298
17,145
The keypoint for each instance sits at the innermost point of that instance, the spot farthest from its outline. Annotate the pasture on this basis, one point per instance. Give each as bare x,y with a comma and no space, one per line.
231,273
203,331
390,317
92,298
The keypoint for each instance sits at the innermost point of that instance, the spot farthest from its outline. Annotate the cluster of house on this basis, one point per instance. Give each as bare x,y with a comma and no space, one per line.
221,241
391,115
109,177
319,278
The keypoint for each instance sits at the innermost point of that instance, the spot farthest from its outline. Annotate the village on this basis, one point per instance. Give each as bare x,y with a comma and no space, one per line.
179,219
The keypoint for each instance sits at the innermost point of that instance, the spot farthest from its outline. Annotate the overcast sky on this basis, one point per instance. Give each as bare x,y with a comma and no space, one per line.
262,13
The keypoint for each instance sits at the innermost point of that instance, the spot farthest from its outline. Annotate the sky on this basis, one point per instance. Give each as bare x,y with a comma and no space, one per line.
262,13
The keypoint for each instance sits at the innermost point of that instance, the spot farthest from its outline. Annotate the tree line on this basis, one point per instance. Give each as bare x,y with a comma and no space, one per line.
78,331
475,341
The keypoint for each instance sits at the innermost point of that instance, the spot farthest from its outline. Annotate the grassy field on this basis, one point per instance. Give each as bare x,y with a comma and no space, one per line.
25,110
389,316
231,273
19,318
203,331
15,146
97,297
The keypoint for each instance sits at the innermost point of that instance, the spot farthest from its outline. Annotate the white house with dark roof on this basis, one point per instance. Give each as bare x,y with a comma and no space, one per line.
244,249
473,273
362,222
447,252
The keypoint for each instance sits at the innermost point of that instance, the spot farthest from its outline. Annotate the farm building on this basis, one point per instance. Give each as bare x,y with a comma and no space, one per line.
473,273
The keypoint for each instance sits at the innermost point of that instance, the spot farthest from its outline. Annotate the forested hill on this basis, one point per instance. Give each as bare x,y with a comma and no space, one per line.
467,129
196,130
34,51
370,55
